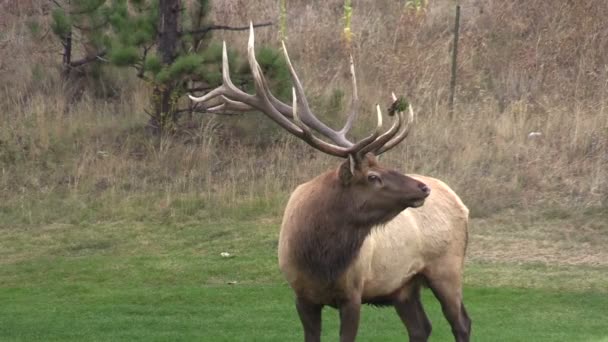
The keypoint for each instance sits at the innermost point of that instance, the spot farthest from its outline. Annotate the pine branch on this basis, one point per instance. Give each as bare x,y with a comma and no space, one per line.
140,69
86,60
197,89
92,28
203,111
207,29
141,73
57,4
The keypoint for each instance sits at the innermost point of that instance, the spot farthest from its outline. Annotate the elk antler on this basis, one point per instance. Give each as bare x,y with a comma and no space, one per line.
298,119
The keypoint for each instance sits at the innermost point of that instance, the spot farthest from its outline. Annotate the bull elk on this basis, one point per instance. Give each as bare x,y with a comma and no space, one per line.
351,235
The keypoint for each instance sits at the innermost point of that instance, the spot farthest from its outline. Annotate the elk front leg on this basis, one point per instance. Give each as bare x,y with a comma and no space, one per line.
310,316
350,311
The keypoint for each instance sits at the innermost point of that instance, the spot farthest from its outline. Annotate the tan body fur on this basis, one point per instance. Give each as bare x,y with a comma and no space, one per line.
427,240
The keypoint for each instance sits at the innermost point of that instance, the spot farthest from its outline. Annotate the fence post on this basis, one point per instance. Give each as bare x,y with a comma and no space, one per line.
454,61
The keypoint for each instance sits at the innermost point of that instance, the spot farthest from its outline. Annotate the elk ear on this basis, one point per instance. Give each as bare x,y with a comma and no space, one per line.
347,170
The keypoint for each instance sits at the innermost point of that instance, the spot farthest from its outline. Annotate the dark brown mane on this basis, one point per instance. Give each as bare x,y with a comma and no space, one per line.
330,242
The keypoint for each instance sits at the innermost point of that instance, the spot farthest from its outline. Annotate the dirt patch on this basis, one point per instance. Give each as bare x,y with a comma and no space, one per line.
573,239
521,250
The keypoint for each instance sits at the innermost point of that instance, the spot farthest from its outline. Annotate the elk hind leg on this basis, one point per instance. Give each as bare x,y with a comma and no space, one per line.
446,285
412,314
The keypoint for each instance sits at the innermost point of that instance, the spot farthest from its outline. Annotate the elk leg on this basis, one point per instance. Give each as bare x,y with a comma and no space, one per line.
310,316
447,289
350,311
413,316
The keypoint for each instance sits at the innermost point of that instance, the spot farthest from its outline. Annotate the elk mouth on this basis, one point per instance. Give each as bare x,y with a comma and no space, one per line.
417,203
413,202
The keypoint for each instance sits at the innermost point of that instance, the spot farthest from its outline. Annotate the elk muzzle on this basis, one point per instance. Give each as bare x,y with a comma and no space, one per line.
416,193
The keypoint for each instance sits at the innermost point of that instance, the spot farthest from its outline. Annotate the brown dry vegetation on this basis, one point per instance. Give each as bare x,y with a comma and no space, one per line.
524,66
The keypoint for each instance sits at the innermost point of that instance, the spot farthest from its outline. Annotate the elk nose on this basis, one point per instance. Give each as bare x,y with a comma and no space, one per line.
425,189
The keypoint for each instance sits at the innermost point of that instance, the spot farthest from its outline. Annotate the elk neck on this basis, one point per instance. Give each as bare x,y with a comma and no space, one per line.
331,229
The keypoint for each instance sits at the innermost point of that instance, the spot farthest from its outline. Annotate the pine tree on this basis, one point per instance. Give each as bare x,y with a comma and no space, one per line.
170,47
79,25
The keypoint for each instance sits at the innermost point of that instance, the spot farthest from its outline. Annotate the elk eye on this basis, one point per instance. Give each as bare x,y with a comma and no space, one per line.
373,178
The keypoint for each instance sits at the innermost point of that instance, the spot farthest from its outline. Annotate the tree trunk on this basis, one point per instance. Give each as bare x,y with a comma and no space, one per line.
167,42
67,54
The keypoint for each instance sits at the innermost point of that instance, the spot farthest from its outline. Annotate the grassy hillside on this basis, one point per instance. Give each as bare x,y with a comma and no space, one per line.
521,70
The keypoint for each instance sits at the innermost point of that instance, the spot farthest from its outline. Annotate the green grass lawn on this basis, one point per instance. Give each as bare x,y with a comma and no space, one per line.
163,279
266,313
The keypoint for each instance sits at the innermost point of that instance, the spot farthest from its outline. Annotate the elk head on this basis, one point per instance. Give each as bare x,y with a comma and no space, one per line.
379,191
378,194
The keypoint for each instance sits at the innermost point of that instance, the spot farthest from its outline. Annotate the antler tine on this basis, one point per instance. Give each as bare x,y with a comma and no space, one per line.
354,106
227,89
369,139
371,143
228,104
384,138
402,135
309,138
296,116
210,95
265,105
237,99
307,116
226,67
258,78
